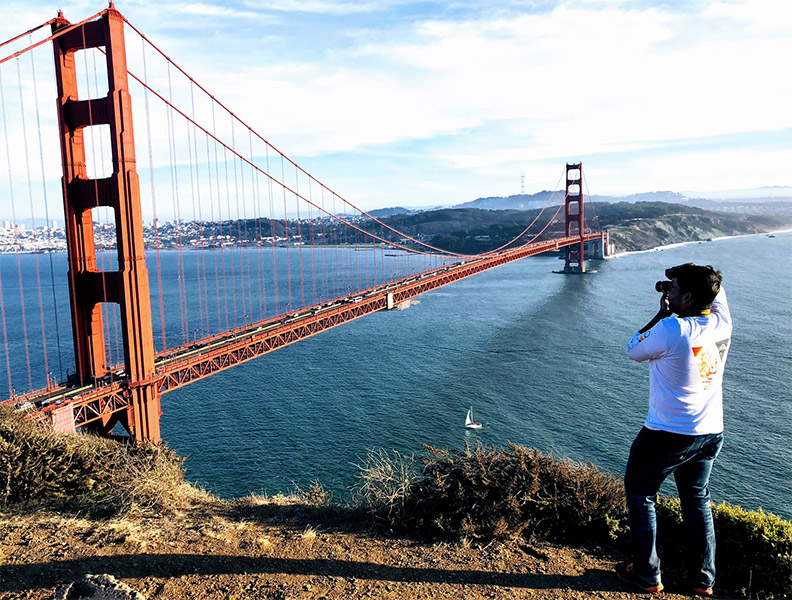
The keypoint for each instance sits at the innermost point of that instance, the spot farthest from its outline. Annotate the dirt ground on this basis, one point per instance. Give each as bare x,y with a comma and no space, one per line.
261,550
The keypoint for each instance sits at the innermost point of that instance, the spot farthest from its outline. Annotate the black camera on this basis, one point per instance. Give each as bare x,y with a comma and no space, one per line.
663,286
671,273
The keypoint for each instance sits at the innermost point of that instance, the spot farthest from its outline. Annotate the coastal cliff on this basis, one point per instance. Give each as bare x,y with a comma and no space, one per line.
648,233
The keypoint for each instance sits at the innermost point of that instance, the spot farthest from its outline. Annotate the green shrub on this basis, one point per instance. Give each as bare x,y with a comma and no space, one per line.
485,494
754,553
83,472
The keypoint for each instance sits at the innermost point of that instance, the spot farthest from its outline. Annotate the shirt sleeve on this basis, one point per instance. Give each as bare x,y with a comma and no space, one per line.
720,308
649,344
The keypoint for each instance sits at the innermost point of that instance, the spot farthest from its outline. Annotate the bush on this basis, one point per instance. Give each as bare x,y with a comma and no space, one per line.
384,482
754,552
314,495
83,472
486,494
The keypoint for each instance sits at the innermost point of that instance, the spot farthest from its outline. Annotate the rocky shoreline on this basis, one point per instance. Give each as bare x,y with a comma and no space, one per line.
653,233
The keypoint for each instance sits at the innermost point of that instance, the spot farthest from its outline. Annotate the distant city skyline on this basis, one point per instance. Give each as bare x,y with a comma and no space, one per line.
419,104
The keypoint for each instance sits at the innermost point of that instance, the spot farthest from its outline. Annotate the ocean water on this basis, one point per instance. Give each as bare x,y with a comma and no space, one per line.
539,356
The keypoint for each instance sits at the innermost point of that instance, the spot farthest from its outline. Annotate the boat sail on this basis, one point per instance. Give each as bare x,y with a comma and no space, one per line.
469,422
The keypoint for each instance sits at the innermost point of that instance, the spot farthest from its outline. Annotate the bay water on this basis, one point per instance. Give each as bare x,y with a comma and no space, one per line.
540,357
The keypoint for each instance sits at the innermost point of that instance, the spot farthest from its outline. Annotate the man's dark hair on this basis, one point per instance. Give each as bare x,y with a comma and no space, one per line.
702,282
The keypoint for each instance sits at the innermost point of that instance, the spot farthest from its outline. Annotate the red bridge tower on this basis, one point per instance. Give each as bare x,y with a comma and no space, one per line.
575,254
89,287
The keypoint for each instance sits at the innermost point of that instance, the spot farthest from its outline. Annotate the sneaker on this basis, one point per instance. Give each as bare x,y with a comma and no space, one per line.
697,591
626,573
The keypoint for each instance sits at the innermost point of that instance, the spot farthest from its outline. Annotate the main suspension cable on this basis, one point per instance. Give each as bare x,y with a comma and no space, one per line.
55,35
284,157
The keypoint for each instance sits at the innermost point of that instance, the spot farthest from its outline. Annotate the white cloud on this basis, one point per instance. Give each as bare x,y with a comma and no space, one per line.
211,10
588,76
497,92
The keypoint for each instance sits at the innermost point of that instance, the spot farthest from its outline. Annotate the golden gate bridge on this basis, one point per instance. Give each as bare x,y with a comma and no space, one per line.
251,252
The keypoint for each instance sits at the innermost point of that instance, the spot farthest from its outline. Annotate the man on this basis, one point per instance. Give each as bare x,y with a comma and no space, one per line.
683,432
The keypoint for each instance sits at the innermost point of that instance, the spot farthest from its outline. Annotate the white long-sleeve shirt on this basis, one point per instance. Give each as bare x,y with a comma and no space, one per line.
686,361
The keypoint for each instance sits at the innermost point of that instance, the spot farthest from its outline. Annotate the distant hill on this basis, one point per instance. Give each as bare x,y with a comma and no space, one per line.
517,202
389,212
776,201
768,192
538,200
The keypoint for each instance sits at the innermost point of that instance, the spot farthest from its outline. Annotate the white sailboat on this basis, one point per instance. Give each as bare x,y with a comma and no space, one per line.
469,422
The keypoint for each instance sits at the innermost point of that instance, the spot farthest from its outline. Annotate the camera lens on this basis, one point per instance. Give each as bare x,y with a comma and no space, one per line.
663,286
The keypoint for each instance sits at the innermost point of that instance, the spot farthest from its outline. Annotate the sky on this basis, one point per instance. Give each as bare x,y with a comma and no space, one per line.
401,103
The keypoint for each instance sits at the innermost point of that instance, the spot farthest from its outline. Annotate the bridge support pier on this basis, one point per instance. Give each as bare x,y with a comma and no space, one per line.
88,287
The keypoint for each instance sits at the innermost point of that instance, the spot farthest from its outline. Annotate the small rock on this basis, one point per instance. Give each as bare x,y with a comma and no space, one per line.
97,587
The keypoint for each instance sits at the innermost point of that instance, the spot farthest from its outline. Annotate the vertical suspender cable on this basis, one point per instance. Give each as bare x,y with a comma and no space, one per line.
230,221
335,265
286,234
213,234
220,220
366,279
262,286
200,255
181,275
299,235
2,294
154,201
239,192
327,250
347,263
196,225
244,255
5,336
16,248
201,228
314,248
276,291
33,228
374,255
357,261
49,223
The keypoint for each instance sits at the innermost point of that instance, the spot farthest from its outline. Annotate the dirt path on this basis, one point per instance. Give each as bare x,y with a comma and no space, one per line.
280,552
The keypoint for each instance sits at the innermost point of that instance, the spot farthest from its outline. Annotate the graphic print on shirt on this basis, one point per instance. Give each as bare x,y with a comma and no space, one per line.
710,360
723,346
637,339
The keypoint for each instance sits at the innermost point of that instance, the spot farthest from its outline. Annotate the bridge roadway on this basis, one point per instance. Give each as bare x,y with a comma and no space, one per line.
176,367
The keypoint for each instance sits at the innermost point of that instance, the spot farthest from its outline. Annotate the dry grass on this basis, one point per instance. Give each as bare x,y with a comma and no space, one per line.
314,495
384,483
88,473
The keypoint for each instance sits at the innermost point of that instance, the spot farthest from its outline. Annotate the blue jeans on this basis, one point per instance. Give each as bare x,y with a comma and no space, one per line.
655,455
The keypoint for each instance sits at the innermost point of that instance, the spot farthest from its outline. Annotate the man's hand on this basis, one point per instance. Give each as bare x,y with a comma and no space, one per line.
665,308
665,311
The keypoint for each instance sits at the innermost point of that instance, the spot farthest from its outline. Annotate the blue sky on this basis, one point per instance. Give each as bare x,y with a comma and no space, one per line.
392,102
